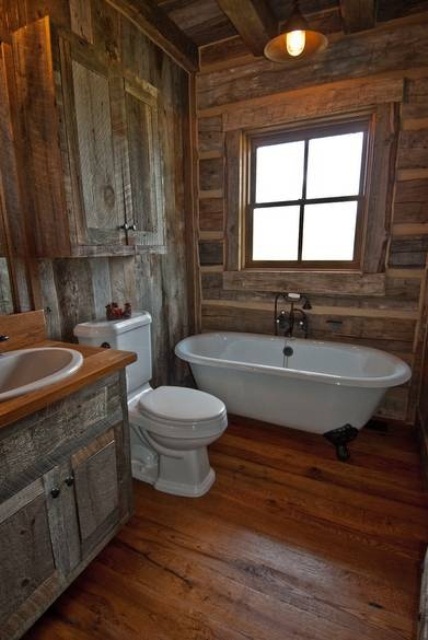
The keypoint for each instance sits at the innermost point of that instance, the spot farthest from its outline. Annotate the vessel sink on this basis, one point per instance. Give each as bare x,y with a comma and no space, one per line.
27,370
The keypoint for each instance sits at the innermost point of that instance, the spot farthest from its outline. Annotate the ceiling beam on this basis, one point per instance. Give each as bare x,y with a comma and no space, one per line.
155,23
256,24
358,15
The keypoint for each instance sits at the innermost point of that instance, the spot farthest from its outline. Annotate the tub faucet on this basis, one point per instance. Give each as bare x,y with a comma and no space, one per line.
286,320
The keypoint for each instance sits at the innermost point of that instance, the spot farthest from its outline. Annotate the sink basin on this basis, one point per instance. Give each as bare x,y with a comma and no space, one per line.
27,370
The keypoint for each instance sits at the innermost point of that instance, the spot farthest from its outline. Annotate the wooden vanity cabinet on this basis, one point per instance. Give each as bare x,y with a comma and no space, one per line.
92,142
65,490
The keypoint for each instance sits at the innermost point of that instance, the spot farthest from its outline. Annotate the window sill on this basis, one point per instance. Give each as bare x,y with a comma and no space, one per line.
327,282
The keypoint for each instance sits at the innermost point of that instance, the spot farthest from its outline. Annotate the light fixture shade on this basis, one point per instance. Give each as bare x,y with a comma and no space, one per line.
276,49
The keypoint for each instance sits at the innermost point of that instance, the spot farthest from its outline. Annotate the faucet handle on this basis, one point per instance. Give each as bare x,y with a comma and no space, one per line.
283,321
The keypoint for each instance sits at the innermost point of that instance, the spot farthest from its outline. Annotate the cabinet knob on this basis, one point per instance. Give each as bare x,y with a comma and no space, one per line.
69,481
133,227
55,492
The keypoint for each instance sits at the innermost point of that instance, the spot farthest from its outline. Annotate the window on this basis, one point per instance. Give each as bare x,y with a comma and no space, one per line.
306,196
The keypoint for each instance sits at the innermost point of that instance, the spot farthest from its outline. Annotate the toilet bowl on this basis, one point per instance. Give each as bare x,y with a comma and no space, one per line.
170,427
178,423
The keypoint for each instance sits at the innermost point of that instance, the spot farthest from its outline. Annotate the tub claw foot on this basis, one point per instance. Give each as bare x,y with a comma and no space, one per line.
340,438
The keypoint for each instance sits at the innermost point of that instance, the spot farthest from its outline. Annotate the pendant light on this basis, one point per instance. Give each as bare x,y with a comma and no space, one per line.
297,39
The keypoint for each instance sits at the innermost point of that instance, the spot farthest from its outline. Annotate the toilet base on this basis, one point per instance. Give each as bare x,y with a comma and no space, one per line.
186,490
183,473
187,473
144,472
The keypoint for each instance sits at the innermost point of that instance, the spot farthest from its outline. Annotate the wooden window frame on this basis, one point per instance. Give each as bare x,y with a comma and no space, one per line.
318,130
370,275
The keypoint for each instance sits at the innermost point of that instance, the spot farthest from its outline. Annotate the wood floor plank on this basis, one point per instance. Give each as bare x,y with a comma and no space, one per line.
263,612
235,544
337,546
297,579
137,580
377,458
347,507
371,483
371,450
289,544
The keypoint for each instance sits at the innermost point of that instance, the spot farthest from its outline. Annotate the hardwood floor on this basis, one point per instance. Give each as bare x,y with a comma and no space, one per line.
289,544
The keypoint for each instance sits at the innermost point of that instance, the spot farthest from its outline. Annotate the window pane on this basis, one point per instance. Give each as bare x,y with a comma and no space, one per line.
276,233
279,174
334,166
329,231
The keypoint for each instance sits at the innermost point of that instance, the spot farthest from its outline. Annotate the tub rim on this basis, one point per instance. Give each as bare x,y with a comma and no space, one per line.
401,374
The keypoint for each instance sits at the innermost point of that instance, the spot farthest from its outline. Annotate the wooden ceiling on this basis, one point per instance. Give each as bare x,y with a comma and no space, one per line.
185,28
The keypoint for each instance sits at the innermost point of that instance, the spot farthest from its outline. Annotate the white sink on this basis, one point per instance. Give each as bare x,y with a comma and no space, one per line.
27,370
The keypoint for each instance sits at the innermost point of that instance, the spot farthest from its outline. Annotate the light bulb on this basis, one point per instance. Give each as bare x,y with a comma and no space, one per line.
295,42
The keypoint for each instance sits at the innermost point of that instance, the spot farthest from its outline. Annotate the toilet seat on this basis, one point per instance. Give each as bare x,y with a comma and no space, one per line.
181,404
171,410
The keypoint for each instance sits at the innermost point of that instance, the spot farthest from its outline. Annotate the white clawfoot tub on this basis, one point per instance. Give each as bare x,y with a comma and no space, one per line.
319,387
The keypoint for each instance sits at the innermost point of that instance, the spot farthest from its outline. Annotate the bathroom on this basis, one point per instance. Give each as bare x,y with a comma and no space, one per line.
189,276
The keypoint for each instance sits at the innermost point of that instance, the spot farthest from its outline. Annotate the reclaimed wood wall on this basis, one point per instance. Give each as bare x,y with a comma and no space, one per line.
78,289
386,309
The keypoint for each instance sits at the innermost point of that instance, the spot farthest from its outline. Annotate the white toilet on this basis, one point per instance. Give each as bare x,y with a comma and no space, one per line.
171,427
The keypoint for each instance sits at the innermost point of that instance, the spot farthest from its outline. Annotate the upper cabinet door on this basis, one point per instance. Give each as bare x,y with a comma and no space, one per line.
98,185
93,149
146,211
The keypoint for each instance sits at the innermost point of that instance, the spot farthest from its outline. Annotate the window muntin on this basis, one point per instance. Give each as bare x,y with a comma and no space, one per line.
318,175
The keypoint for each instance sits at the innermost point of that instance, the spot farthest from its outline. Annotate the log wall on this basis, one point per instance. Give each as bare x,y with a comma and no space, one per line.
383,309
77,289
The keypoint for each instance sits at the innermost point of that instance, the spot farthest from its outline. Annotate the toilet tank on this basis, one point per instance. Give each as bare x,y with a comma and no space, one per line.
127,334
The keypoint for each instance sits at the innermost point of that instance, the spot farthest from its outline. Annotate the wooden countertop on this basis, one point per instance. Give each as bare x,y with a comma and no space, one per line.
97,363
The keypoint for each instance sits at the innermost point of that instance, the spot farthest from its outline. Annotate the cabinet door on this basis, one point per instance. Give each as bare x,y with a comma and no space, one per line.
145,214
29,576
63,525
93,151
77,191
97,490
98,183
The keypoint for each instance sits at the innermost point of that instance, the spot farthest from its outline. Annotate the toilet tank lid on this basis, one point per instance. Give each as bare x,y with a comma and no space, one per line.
105,328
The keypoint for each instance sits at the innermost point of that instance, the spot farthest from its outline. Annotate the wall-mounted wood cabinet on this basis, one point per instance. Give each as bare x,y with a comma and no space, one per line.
93,159
64,492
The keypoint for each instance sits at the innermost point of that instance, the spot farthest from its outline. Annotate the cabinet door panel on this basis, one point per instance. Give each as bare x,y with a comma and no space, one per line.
96,486
98,196
62,518
102,208
26,557
145,165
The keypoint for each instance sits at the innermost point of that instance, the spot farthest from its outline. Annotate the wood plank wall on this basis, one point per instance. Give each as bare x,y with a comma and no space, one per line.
345,77
76,290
